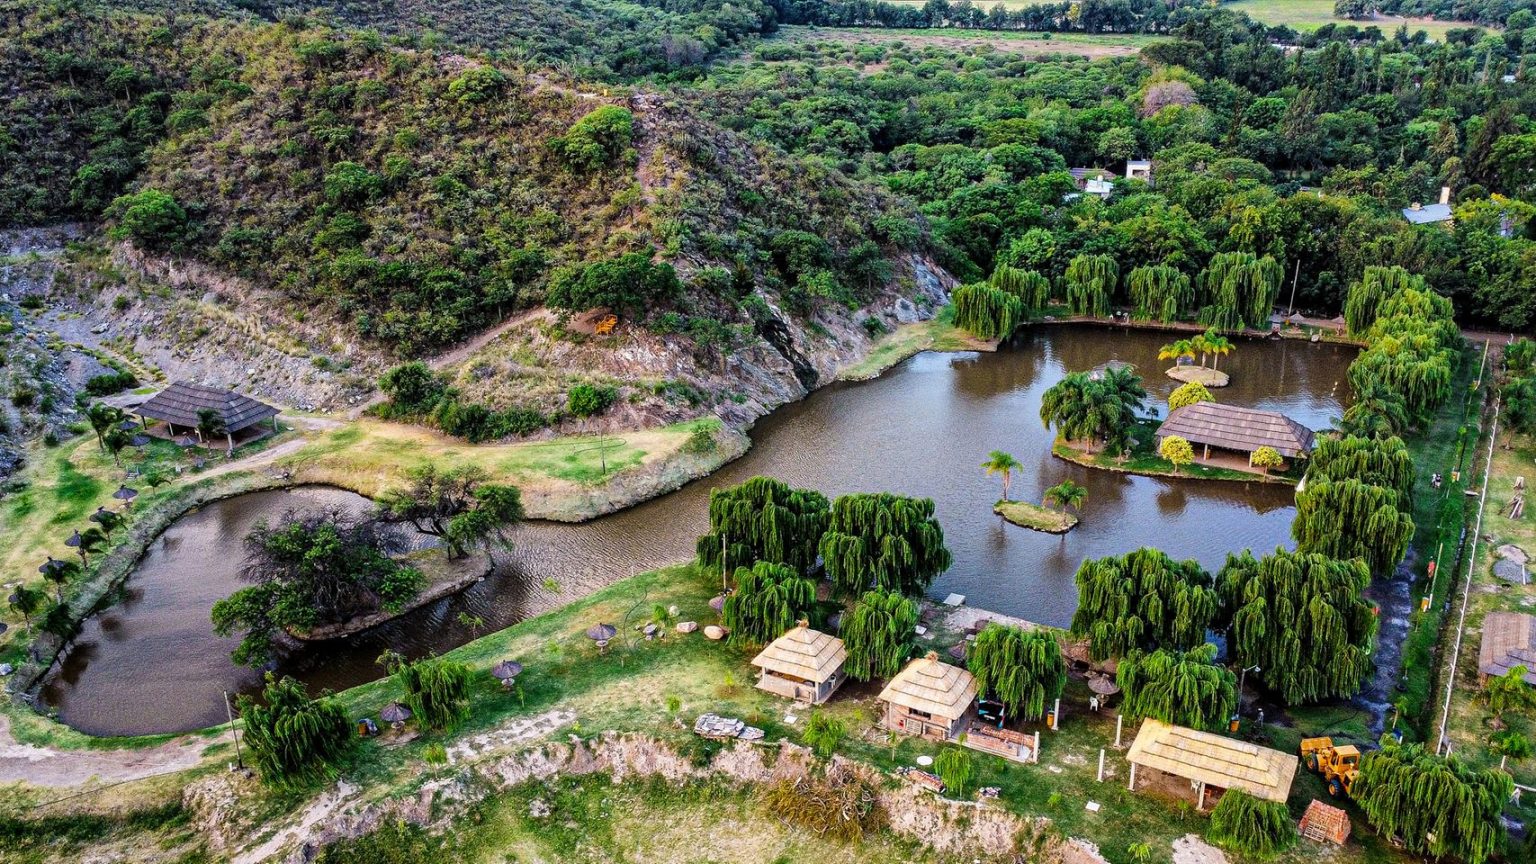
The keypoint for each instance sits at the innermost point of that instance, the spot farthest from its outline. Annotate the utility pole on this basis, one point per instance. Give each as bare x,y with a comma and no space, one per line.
725,587
1296,277
230,713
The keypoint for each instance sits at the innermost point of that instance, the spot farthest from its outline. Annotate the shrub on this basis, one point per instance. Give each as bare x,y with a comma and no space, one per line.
412,388
1189,394
294,738
1248,825
477,84
586,400
596,140
109,383
955,768
350,184
823,733
150,218
629,283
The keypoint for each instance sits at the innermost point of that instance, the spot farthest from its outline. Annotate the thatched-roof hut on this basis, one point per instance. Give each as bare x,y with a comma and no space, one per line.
181,403
1210,761
929,699
1509,640
804,664
1244,430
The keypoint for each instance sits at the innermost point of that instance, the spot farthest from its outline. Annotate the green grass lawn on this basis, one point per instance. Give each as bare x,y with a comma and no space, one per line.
1027,515
936,334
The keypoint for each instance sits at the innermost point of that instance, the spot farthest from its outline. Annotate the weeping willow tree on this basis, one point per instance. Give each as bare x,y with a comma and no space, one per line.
987,312
1022,669
436,690
1160,293
1251,826
769,599
877,634
1143,600
1438,806
883,541
1377,461
1091,281
763,519
1238,289
1185,688
294,739
1363,300
1351,519
1414,351
1032,289
1303,619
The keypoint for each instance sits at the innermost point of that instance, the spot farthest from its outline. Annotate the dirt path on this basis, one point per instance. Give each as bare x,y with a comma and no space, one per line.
46,766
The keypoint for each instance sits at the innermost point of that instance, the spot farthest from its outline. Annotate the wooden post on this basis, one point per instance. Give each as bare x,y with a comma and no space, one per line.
230,714
1200,797
1132,785
1056,716
1119,723
1037,746
1101,765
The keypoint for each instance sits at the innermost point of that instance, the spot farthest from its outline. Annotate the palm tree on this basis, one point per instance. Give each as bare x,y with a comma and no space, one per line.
103,417
1177,350
1002,463
26,602
1219,346
1067,494
210,424
1200,344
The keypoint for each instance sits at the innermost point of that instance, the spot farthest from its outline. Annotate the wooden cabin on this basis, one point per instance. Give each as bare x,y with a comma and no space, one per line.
1237,430
1211,763
804,665
180,407
929,699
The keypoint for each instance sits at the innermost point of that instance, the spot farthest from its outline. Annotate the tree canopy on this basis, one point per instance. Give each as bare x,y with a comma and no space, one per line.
768,599
1352,519
763,519
877,633
885,541
1143,600
458,506
311,569
292,738
1437,805
1186,688
1022,669
1095,410
1303,619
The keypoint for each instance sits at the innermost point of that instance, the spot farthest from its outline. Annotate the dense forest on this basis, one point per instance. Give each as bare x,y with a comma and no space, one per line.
1304,156
420,193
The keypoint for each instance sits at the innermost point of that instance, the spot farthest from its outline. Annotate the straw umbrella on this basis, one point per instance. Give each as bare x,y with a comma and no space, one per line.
395,714
957,651
507,671
126,495
602,634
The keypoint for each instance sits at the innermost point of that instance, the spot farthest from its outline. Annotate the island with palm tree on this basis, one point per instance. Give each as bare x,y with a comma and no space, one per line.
1183,352
1039,517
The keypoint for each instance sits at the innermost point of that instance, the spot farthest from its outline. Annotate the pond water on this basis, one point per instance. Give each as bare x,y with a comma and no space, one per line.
152,665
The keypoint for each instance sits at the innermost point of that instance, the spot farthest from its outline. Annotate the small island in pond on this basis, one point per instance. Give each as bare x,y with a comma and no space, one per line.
1027,515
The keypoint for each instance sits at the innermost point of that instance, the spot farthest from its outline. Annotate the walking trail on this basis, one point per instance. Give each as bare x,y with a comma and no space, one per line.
51,767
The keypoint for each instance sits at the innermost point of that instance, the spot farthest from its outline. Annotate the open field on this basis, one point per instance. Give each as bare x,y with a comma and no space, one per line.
1471,722
1021,42
1311,14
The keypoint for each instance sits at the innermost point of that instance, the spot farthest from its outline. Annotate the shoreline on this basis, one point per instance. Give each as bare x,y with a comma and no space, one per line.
444,587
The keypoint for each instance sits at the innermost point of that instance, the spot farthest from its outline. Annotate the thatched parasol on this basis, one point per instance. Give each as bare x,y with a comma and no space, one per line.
125,494
52,565
1103,685
395,714
957,651
186,441
102,516
4,627
602,632
128,425
74,540
138,441
717,603
506,670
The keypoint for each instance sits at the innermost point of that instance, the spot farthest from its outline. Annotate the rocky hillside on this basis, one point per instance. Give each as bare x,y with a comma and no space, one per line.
302,206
